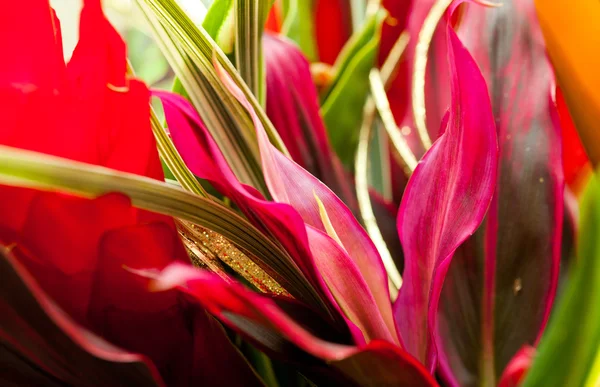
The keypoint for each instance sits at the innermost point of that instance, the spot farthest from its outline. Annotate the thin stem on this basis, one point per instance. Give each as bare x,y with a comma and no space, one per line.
364,199
407,158
420,68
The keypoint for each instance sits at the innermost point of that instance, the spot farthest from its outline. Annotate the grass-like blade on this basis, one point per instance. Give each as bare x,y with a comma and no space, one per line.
40,171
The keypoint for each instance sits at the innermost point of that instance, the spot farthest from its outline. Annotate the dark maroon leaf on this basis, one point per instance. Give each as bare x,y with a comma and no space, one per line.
501,283
39,342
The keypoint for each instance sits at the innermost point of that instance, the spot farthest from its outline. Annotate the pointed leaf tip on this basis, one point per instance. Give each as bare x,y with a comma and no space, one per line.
445,201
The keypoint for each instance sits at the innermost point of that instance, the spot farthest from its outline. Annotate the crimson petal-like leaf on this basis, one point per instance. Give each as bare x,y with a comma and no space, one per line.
40,342
333,27
445,201
290,184
254,315
501,284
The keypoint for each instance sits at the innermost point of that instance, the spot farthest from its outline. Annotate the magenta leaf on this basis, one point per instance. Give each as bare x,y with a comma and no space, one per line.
348,287
204,158
501,284
293,108
437,76
259,318
289,183
298,194
445,201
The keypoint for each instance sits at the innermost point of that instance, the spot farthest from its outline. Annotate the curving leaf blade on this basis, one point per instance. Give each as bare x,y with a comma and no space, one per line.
445,201
501,283
39,342
342,103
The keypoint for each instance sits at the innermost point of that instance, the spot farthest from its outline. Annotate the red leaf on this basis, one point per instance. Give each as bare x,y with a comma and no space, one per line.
50,345
437,77
255,316
333,27
290,183
574,157
204,158
517,368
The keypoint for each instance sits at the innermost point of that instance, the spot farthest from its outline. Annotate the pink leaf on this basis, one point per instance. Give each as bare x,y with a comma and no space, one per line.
204,158
293,108
289,183
347,286
445,201
295,190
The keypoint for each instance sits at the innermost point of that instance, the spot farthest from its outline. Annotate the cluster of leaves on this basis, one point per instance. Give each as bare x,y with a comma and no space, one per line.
388,191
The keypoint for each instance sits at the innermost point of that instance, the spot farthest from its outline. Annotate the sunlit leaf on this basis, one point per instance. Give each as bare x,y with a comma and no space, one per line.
220,25
189,49
250,18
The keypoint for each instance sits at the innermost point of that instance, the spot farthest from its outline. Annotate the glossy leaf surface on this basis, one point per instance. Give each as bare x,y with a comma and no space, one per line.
291,184
292,106
501,284
445,201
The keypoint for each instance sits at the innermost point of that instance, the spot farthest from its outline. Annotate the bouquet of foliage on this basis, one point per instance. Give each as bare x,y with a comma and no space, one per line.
334,192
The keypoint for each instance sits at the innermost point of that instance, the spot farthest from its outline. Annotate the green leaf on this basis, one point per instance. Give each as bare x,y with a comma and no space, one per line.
342,103
219,24
145,57
250,18
190,50
364,200
569,350
299,26
171,158
36,170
